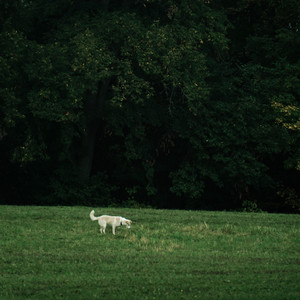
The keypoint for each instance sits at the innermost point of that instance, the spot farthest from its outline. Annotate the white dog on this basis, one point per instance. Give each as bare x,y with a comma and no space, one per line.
113,221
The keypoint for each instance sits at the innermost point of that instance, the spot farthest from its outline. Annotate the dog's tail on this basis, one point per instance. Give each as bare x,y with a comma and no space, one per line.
92,216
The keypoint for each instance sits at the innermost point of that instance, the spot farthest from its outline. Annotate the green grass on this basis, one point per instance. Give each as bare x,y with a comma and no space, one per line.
58,253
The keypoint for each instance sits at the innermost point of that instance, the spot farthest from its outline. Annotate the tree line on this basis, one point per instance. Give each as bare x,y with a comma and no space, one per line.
170,104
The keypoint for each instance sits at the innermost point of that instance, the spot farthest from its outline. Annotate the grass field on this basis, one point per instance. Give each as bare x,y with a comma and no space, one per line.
58,253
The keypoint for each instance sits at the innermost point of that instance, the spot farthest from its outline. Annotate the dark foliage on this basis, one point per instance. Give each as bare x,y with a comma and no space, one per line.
171,104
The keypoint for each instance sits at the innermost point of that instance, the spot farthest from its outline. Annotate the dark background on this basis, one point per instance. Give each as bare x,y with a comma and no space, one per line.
170,104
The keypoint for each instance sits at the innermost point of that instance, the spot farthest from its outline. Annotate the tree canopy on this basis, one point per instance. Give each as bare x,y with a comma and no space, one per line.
182,104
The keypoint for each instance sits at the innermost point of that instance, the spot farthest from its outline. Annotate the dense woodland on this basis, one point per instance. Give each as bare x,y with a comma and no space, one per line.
189,104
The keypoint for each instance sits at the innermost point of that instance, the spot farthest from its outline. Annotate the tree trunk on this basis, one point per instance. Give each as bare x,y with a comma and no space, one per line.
93,113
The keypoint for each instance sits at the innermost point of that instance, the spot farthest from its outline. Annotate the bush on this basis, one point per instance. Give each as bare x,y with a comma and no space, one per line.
68,191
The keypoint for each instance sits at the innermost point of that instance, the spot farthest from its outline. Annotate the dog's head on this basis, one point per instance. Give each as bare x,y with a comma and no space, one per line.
127,223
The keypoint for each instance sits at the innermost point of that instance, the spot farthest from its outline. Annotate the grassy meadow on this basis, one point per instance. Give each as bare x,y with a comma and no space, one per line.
58,253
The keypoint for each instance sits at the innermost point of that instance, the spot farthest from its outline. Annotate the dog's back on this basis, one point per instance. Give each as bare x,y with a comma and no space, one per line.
110,219
105,218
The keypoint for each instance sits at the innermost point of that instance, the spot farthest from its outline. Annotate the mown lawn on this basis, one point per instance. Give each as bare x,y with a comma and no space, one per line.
58,253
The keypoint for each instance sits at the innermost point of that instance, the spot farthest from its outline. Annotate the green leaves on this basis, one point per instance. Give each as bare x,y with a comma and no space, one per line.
184,98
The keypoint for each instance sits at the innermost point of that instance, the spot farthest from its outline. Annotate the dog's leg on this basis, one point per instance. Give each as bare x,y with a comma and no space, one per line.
114,229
